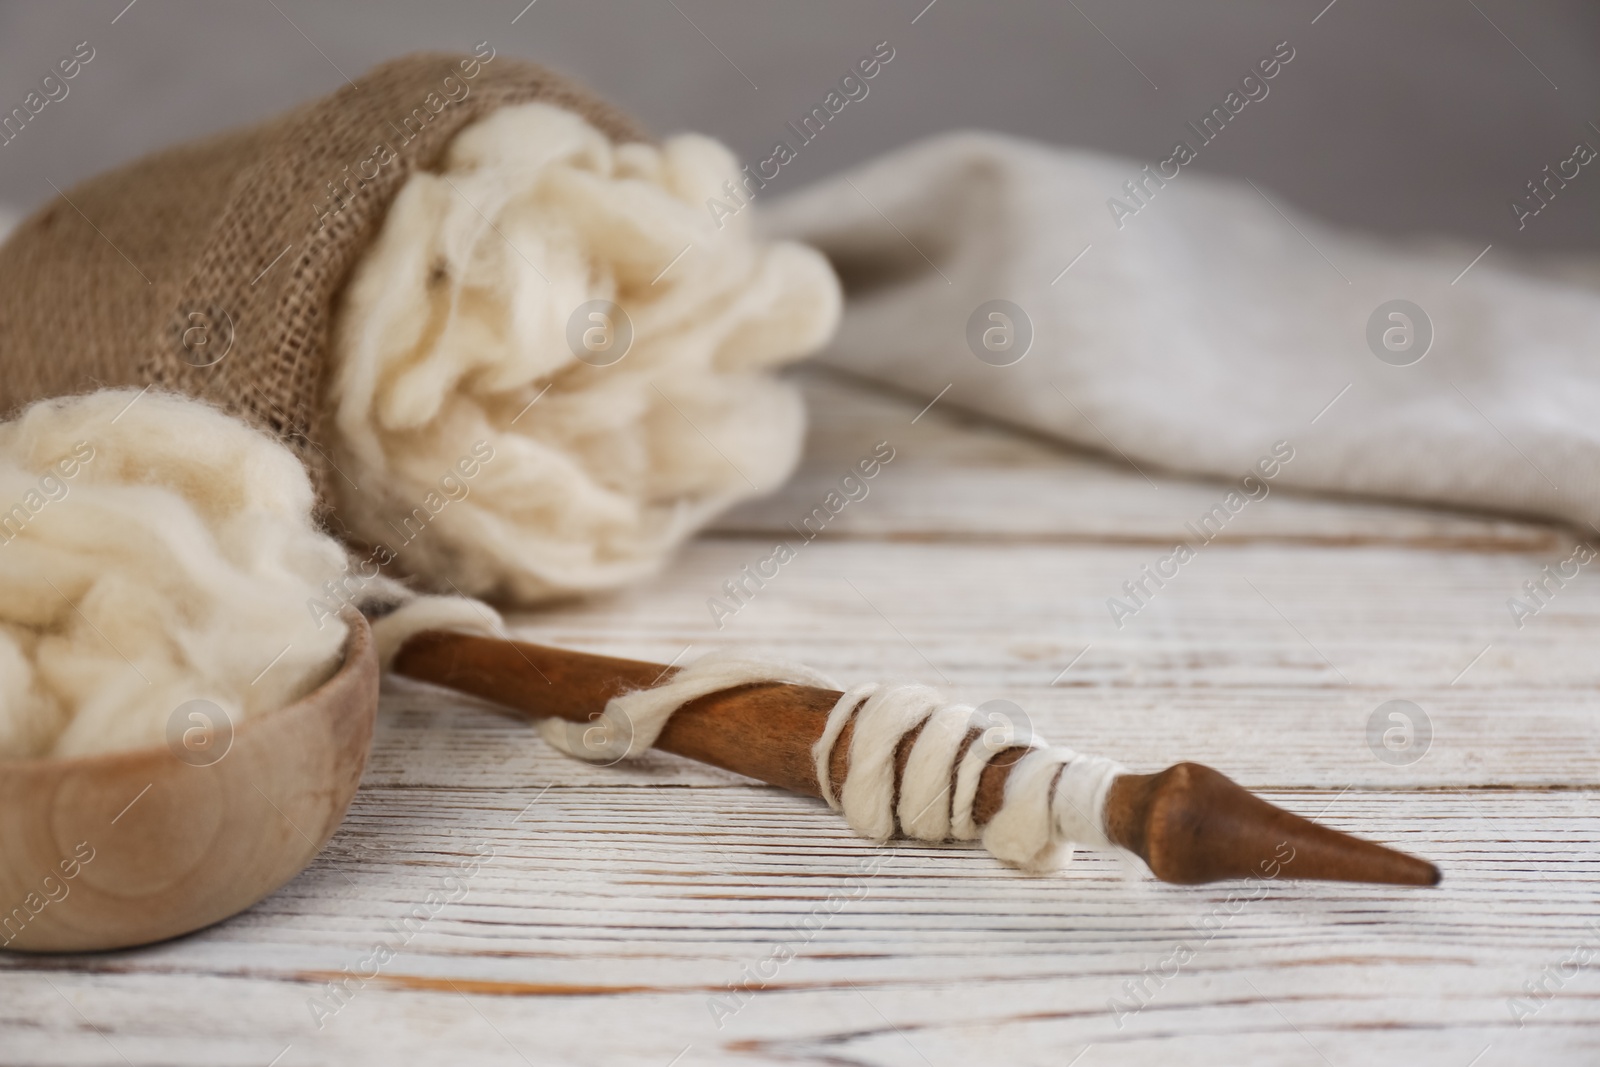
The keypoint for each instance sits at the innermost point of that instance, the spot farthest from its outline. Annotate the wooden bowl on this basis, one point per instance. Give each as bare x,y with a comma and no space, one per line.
127,848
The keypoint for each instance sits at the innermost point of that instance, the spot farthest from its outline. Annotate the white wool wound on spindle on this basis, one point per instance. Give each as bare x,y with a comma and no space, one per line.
153,551
1054,797
925,800
462,328
969,772
887,715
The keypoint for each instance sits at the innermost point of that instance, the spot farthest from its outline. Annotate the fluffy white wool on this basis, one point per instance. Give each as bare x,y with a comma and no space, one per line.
153,551
454,332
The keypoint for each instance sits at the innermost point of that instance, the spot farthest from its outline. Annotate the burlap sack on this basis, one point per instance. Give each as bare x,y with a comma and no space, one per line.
213,268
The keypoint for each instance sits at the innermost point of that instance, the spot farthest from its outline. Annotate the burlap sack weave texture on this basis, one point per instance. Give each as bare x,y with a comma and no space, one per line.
213,268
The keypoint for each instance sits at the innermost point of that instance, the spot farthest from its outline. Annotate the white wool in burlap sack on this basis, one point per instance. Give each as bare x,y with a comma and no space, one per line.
153,551
457,320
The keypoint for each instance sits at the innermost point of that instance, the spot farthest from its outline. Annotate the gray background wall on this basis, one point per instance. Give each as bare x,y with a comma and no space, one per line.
1411,116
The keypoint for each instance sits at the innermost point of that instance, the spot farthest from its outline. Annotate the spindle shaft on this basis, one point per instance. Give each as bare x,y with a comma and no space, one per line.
1189,823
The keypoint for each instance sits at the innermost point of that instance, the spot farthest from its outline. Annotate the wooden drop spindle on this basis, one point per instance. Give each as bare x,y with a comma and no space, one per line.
1189,823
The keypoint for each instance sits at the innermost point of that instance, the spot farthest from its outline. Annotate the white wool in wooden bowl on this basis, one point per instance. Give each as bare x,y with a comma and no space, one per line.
153,552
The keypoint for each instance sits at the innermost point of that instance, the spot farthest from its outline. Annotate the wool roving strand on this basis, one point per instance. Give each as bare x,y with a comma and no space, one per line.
632,721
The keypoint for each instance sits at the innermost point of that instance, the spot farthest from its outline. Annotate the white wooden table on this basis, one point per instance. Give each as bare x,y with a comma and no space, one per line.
611,910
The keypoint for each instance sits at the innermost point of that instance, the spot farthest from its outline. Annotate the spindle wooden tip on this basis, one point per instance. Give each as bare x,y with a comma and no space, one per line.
1192,824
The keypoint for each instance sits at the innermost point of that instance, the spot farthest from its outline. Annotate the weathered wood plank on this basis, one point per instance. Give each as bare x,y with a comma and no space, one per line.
1236,615
612,908
616,919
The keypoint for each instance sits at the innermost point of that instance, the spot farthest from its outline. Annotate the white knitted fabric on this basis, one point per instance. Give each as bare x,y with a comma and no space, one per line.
456,331
153,551
1054,797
